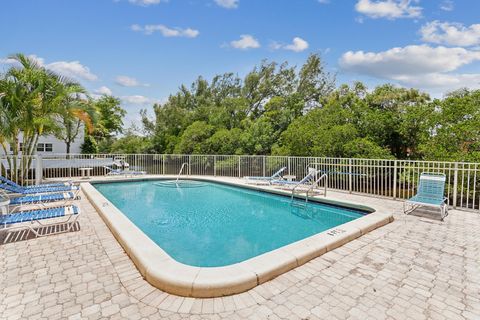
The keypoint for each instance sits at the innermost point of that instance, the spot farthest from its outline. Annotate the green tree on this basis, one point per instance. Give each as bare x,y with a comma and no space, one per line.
258,137
76,113
365,148
330,130
89,145
110,119
454,128
314,82
192,141
131,143
224,141
262,105
392,120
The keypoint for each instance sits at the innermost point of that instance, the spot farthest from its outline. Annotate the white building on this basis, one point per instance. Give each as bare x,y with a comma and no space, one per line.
49,144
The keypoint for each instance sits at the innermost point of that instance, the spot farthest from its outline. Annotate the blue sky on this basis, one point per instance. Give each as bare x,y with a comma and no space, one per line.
143,50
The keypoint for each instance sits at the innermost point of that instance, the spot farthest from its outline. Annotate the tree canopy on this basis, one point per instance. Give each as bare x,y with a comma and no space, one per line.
278,109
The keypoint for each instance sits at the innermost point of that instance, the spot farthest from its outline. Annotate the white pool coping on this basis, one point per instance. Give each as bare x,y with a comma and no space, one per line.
169,275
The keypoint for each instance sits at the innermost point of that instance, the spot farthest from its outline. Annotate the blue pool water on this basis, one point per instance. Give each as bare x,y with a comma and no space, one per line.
212,224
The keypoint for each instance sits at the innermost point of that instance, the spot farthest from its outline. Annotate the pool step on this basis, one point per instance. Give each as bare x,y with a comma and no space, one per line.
298,203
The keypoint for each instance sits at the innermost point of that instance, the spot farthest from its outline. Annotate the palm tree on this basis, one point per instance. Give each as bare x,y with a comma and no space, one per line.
74,109
32,99
18,96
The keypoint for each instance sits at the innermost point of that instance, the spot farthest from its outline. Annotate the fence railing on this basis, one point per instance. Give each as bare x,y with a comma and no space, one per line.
395,179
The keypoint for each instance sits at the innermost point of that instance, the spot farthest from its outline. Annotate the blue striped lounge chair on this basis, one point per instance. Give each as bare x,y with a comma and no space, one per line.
42,200
39,189
310,177
47,185
30,219
430,193
266,180
121,172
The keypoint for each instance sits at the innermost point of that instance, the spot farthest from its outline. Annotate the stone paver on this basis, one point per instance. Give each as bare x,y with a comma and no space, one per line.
413,268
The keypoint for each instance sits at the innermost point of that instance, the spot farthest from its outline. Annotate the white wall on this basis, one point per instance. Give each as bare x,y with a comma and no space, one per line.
58,146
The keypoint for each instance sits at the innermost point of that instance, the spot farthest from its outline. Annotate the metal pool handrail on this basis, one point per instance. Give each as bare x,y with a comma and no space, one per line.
180,172
323,176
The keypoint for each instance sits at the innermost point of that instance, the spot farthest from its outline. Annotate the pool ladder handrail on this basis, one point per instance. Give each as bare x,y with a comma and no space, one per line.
309,177
312,186
181,170
316,183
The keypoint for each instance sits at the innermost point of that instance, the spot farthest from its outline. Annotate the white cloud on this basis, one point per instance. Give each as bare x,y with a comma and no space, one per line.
228,4
324,1
443,81
274,45
419,66
165,31
447,5
146,3
71,69
245,42
136,99
126,81
454,34
414,59
390,9
297,45
37,59
6,61
136,28
103,90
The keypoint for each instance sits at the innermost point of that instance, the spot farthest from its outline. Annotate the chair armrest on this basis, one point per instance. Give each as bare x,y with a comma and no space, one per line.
446,200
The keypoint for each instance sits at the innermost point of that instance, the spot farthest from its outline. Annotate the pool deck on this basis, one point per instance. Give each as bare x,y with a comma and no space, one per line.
413,268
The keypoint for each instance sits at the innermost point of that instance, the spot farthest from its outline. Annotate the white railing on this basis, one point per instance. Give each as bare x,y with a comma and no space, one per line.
395,179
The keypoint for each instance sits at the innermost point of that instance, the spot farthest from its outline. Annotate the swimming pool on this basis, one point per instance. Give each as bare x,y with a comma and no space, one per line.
211,224
216,221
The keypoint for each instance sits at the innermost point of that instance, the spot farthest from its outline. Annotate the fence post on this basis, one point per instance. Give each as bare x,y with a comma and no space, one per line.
70,167
239,164
455,185
38,170
394,179
264,157
189,164
214,166
350,175
163,164
289,165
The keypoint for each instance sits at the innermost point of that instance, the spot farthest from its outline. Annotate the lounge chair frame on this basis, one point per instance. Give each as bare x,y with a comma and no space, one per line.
120,172
12,208
431,187
32,224
289,185
34,186
265,180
